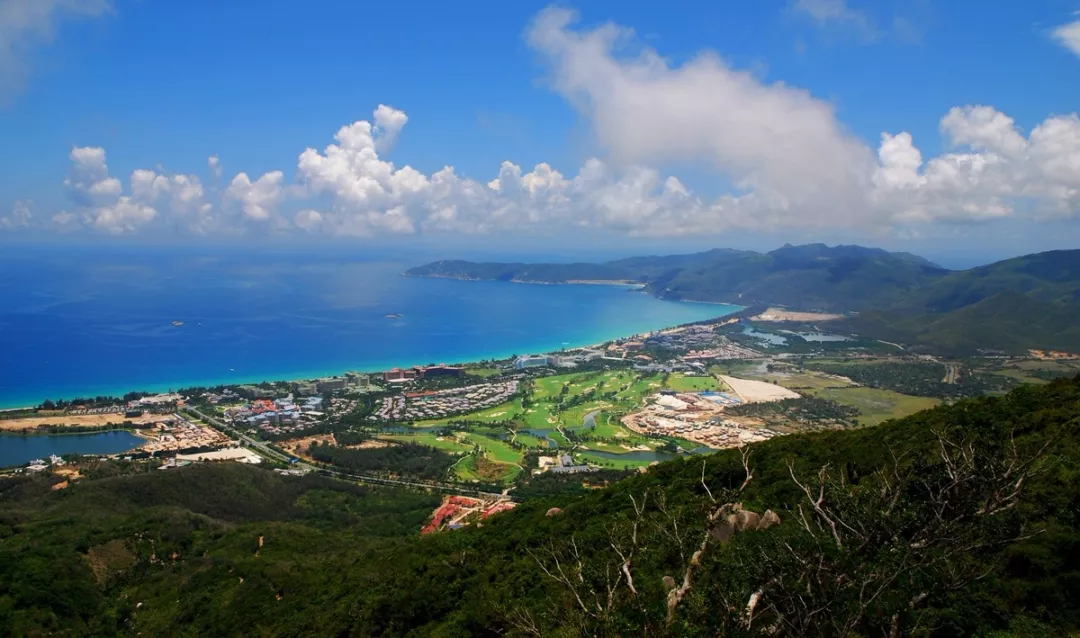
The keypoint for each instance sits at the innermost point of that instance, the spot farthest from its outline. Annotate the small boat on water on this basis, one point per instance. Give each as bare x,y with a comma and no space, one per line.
394,315
177,323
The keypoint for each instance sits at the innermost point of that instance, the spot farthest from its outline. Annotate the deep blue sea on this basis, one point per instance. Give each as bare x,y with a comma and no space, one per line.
91,320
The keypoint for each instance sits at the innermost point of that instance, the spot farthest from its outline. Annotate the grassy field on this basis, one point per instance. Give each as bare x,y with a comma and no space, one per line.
806,381
683,383
877,405
619,464
1023,370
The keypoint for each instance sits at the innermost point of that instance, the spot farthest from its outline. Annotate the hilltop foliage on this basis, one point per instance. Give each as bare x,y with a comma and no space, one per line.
961,520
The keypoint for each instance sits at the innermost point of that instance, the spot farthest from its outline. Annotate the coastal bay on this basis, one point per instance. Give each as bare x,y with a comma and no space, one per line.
85,324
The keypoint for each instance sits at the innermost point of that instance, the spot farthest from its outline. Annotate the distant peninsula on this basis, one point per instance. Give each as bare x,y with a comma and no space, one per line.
1016,304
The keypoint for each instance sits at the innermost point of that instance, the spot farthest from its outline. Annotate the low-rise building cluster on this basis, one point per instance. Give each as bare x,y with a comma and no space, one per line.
695,417
441,403
284,415
177,433
563,464
458,511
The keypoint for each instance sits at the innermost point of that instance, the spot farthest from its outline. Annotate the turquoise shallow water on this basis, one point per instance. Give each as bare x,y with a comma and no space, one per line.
89,321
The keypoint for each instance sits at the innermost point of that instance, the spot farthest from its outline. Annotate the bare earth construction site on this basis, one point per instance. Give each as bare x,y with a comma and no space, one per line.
700,417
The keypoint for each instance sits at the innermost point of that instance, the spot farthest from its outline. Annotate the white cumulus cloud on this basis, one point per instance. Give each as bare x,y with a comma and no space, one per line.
774,139
388,123
101,204
1068,35
123,216
21,216
789,160
259,199
215,166
88,182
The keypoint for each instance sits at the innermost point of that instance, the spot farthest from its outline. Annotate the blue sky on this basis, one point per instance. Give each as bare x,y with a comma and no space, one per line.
163,85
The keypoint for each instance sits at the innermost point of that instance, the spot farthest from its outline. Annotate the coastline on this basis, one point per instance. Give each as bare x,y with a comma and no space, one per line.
551,345
74,430
624,283
569,282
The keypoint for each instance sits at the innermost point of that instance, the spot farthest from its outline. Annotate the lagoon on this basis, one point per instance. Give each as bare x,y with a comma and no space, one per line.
16,449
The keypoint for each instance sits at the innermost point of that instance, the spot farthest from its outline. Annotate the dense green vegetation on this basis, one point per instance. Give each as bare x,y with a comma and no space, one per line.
807,410
957,521
406,459
922,379
1012,305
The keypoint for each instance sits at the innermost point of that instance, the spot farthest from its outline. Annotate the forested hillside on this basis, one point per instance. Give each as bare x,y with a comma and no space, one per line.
1012,305
962,520
813,276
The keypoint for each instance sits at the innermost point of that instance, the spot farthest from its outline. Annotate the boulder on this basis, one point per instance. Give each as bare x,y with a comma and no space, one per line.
769,519
723,530
555,511
746,520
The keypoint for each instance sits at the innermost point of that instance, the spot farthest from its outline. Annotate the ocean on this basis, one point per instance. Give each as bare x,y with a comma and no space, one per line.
98,320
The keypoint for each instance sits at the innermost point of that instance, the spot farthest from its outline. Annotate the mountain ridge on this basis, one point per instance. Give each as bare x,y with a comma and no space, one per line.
899,294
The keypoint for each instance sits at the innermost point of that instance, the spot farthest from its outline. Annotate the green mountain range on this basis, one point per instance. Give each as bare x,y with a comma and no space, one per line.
1011,305
958,521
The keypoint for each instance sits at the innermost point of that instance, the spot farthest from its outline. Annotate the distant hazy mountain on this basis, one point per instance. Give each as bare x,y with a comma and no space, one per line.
1020,303
1013,305
813,276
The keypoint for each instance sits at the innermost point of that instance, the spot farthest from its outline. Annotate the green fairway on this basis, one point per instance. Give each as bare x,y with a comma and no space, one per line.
494,449
877,405
447,443
530,440
539,417
474,468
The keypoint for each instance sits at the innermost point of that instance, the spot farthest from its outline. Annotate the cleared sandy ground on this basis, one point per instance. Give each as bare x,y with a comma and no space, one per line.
758,391
86,420
779,314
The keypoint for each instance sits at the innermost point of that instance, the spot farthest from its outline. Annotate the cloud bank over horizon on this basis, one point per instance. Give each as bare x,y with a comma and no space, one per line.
791,163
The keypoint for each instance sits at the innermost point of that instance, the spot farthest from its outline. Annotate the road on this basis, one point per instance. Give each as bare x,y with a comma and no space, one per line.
952,372
264,448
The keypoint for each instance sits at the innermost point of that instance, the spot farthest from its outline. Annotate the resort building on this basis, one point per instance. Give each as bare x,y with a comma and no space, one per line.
331,384
397,375
532,361
441,370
